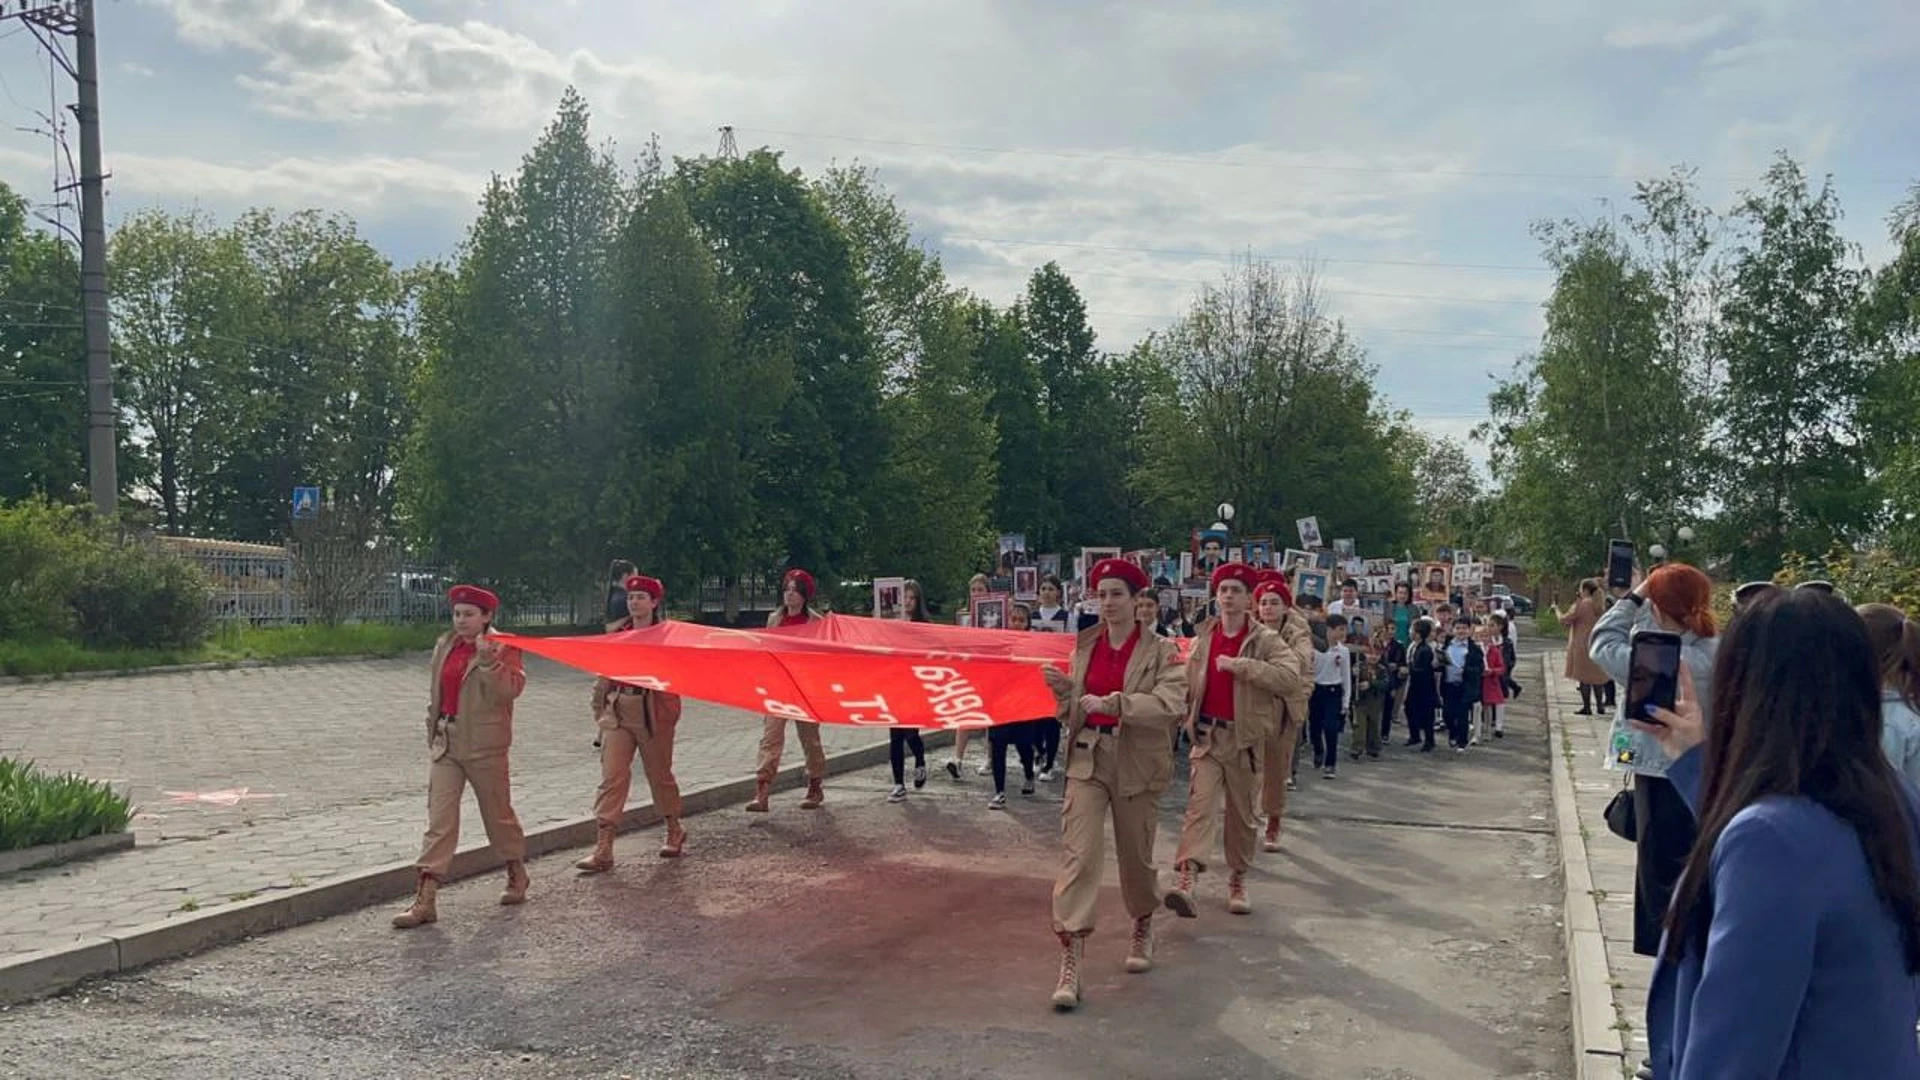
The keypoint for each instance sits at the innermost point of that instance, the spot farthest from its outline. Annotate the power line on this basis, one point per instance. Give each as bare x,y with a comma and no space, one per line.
1232,255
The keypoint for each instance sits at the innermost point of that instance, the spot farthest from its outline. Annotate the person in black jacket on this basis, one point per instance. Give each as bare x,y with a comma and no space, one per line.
1392,670
900,740
1423,690
1463,666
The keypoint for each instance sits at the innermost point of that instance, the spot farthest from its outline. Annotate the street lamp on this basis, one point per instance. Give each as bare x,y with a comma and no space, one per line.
1686,534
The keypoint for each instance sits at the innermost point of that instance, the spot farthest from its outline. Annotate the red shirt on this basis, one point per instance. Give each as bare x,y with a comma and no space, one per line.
1217,702
794,620
1107,674
452,673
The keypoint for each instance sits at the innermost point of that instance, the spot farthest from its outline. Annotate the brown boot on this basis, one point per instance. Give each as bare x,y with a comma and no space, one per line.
1066,993
422,911
602,858
517,882
1180,897
676,839
815,795
1237,893
761,790
1273,833
1140,953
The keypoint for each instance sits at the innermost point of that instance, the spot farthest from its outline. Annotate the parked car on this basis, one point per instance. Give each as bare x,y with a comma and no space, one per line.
1521,605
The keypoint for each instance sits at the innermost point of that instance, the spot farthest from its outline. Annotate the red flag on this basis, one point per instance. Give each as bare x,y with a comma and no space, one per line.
840,669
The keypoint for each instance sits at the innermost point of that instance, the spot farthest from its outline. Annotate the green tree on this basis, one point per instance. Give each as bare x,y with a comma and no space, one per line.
1005,374
1455,509
1078,437
1273,410
43,398
786,258
1795,473
1598,432
520,402
1888,328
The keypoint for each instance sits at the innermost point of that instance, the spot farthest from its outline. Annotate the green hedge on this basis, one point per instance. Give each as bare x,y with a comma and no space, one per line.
67,578
1547,623
39,808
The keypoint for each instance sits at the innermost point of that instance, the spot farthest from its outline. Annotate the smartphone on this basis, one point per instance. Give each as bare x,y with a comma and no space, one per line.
1620,555
1653,674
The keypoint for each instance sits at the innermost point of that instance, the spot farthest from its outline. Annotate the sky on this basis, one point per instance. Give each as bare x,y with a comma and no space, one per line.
1399,149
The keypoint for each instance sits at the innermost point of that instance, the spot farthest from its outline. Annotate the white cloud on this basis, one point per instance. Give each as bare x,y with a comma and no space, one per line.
1667,34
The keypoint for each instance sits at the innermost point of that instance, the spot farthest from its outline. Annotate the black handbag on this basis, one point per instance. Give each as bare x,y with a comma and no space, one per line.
1620,817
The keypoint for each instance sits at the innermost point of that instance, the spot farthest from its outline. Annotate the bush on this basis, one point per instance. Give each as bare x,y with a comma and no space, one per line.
1871,577
70,579
39,808
1547,623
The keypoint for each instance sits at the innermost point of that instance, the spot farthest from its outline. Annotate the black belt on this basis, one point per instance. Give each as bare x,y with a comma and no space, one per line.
1204,722
630,691
448,718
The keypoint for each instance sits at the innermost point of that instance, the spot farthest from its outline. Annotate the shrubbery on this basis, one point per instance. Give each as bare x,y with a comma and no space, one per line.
68,578
1871,577
39,808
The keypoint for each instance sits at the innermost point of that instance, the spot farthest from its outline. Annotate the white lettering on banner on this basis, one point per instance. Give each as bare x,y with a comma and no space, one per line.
781,708
880,718
644,682
952,697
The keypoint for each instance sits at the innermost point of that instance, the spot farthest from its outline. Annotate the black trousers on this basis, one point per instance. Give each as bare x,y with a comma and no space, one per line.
1420,720
1666,829
1456,708
1324,721
899,741
1021,736
1046,743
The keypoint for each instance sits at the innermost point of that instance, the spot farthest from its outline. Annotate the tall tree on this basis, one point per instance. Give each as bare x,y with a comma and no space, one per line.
1889,332
188,306
818,464
1009,380
1596,432
1795,475
42,361
523,341
1272,409
1076,433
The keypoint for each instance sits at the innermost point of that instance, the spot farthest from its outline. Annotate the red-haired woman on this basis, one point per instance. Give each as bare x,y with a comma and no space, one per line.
1677,598
796,592
1126,692
635,719
473,681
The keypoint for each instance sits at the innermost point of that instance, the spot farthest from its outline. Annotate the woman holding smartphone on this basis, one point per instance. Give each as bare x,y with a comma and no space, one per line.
1678,599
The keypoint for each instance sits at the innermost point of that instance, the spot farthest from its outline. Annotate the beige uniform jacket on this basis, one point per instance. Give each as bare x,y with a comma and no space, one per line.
1153,697
1265,672
652,704
485,714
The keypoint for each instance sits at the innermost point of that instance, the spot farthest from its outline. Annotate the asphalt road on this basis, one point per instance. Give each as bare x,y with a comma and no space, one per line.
1407,932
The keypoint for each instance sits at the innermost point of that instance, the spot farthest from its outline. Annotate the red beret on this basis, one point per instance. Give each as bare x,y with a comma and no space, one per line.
1128,573
801,580
645,584
1235,571
1275,582
475,595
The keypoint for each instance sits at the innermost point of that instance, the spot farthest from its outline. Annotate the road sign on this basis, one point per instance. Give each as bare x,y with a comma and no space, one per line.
306,502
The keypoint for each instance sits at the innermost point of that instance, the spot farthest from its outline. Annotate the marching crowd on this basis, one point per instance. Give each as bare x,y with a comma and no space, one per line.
1778,840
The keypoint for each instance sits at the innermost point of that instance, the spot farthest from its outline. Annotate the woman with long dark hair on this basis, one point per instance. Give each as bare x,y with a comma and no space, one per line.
900,740
1792,947
1896,649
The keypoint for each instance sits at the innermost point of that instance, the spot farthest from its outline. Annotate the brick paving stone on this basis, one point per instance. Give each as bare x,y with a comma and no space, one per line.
1609,858
332,761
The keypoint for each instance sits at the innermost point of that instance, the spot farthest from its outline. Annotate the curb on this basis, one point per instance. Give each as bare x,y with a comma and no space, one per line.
45,854
50,971
1598,1052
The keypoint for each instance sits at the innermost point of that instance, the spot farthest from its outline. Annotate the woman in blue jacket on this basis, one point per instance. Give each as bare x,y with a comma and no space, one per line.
1792,948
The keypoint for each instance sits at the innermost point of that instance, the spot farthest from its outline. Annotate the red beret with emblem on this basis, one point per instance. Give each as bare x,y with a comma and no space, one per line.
801,580
645,584
1275,582
1126,572
475,595
1235,571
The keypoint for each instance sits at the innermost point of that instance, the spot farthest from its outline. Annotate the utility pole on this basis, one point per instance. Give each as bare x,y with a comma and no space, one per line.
74,19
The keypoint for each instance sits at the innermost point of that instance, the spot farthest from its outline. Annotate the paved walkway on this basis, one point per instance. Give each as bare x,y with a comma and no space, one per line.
1609,858
1407,931
269,778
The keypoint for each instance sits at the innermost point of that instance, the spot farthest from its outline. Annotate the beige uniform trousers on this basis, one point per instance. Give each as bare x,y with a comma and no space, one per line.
446,781
619,742
773,741
1216,774
1083,822
1278,765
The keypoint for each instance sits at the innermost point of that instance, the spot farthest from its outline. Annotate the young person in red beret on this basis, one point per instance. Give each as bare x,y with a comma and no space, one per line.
796,592
634,719
1120,704
1237,675
1273,606
473,681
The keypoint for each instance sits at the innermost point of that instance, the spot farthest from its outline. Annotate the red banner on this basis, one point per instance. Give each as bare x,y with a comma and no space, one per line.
840,669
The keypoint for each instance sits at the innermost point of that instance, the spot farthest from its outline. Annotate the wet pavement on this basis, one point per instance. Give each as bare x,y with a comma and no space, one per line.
1408,931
